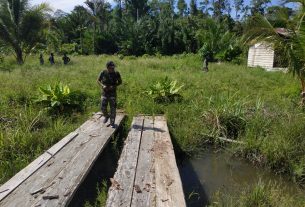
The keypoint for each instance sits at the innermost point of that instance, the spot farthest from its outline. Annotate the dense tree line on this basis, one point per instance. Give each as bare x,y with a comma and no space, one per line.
133,27
136,27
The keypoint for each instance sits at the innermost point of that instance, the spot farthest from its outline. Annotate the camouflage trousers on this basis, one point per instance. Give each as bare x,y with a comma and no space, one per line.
112,103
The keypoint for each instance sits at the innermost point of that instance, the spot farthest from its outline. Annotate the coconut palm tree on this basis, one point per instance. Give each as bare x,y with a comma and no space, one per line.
290,40
98,11
21,25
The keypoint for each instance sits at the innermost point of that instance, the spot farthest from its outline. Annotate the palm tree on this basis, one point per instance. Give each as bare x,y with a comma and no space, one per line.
79,20
97,9
290,40
21,25
214,39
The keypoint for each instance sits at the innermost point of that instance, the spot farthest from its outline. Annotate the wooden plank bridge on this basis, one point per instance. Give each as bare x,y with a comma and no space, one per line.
147,174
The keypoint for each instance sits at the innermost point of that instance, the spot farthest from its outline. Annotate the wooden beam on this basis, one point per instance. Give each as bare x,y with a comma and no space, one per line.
55,182
25,173
144,186
169,191
147,174
74,172
120,193
230,140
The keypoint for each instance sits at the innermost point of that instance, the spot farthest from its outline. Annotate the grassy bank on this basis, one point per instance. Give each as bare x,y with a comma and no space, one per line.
260,195
257,107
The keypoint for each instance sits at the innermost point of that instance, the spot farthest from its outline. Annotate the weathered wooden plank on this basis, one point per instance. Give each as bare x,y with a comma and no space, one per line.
42,179
169,191
120,193
25,173
144,192
21,176
62,143
76,170
47,176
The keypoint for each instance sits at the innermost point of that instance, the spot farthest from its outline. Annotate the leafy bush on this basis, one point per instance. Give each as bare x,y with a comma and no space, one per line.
6,67
59,98
120,56
146,56
68,48
165,91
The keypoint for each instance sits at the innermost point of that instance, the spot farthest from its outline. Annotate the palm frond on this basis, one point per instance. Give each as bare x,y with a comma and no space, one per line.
260,29
42,8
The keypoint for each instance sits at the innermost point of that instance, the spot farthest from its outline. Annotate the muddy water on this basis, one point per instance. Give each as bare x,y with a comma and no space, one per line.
212,172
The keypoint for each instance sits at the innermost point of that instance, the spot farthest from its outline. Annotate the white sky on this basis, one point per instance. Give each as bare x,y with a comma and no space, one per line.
65,5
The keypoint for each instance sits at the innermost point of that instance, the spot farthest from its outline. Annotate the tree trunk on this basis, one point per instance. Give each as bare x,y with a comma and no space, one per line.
303,91
94,37
19,56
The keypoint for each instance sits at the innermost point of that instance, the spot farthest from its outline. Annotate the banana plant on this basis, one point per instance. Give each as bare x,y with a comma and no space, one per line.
165,91
59,98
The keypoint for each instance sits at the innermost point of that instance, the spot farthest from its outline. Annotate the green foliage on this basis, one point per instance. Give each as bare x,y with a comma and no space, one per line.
253,106
259,195
21,25
226,116
230,54
165,91
290,40
53,40
217,42
101,196
68,48
59,98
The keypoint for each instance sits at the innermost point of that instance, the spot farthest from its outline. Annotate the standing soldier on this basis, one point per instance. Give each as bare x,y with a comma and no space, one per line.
41,59
66,59
51,59
109,79
206,63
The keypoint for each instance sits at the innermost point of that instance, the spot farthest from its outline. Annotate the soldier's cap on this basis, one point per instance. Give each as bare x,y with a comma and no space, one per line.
110,64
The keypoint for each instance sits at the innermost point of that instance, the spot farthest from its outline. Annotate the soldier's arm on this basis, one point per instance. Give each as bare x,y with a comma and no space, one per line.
99,79
119,79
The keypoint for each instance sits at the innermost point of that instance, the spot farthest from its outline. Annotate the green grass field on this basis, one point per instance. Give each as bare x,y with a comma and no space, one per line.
251,105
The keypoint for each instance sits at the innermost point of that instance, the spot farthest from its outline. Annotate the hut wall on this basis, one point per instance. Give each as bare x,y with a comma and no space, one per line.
261,55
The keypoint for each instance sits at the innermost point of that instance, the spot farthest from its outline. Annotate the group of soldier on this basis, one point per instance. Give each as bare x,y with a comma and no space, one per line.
65,59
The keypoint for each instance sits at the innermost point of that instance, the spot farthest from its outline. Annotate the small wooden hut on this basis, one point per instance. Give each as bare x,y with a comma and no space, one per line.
263,54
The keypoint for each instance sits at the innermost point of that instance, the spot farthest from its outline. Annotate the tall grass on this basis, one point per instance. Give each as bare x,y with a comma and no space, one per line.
251,105
259,195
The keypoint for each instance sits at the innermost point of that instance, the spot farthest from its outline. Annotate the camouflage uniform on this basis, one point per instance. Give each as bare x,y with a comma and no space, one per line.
66,59
110,81
51,59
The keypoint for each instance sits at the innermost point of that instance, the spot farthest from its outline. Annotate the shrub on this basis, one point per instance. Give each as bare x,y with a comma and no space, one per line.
68,48
59,98
121,57
145,56
6,66
165,91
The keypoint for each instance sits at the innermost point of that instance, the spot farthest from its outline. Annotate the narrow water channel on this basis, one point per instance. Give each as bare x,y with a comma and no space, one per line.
219,172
